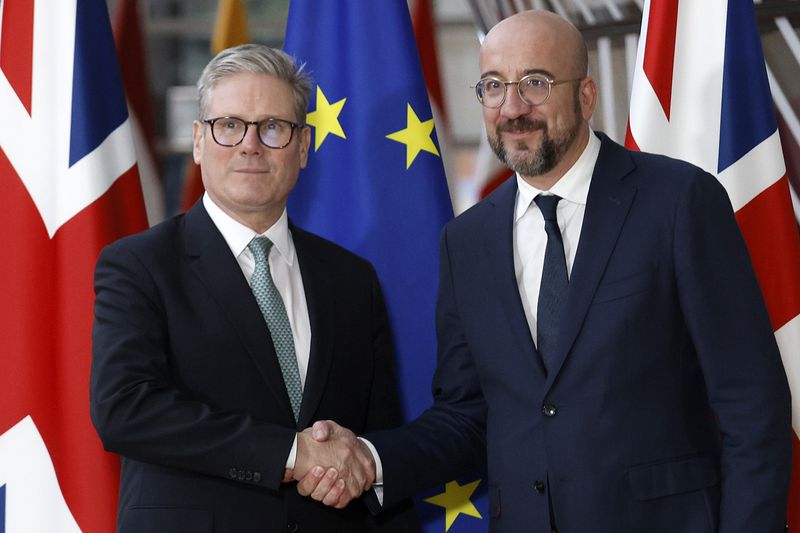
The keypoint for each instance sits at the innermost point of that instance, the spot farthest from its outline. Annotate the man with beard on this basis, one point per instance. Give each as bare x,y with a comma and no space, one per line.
602,337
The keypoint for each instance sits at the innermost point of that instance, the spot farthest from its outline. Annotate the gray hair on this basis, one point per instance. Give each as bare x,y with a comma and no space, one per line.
258,59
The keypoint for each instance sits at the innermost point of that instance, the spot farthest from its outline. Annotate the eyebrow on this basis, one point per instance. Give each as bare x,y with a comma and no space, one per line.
526,72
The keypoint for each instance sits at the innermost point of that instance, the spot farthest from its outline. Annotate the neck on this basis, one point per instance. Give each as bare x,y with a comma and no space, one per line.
258,220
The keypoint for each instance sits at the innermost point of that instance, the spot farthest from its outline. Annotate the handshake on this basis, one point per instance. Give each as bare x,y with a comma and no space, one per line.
332,465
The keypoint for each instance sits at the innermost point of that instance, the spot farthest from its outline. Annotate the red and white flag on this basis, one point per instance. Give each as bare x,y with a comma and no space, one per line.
700,93
69,186
129,40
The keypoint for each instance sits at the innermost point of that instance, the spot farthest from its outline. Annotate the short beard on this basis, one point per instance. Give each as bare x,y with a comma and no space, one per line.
550,151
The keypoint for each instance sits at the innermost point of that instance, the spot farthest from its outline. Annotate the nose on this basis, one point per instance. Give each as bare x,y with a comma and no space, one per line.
513,106
251,144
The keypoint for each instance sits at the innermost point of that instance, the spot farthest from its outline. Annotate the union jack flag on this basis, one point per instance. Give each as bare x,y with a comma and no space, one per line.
700,93
69,185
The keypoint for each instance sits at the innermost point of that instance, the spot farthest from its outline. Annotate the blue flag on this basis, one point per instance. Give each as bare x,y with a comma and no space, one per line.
375,184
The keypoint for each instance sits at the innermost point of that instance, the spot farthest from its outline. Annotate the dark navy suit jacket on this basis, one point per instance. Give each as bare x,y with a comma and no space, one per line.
186,388
668,409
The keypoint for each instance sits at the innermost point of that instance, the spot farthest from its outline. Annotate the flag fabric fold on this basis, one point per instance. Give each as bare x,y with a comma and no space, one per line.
130,43
70,186
376,185
700,93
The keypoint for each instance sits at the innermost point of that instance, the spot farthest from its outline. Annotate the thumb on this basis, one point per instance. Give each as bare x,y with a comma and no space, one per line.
321,430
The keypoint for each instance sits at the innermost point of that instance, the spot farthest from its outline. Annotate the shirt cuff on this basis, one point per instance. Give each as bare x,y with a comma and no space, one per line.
378,485
292,459
378,465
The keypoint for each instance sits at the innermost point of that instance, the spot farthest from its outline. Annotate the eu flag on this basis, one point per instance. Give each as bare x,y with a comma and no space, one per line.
375,184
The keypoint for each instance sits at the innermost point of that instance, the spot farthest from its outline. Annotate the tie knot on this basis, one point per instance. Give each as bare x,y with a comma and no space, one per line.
260,246
547,205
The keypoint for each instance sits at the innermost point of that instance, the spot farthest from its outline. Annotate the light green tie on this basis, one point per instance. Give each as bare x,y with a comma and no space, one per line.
271,304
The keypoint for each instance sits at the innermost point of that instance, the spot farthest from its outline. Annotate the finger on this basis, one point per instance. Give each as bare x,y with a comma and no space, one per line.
335,494
288,475
309,482
325,484
322,430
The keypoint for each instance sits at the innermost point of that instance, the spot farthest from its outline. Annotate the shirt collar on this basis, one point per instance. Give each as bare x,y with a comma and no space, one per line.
573,185
238,236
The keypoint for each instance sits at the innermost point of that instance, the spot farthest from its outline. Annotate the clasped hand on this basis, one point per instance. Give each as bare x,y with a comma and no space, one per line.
332,466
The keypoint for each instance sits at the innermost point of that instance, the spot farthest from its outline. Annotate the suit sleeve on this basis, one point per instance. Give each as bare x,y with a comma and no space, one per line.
448,439
139,410
741,365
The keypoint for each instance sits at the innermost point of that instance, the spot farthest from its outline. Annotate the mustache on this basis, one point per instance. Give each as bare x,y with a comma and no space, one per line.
521,124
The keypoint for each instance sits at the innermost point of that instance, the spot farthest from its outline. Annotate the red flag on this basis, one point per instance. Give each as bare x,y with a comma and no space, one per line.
70,185
192,185
700,93
132,59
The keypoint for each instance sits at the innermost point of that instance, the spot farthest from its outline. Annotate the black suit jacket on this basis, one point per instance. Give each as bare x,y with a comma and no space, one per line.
667,409
186,388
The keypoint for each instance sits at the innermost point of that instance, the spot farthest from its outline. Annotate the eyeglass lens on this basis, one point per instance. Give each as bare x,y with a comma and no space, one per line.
274,133
532,89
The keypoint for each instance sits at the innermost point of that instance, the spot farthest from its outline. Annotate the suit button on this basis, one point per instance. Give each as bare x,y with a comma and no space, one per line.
549,410
240,475
248,476
256,477
538,486
292,527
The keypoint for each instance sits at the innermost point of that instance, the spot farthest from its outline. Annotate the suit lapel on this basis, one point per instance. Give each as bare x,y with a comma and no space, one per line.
319,288
212,261
499,242
607,206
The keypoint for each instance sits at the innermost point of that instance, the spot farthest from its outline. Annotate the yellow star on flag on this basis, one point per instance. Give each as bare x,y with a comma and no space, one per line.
416,136
456,500
325,119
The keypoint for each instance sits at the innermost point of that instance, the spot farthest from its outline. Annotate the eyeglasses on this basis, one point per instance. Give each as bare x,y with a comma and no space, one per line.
533,89
272,132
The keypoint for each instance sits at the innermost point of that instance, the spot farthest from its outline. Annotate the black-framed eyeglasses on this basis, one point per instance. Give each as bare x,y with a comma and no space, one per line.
533,89
272,132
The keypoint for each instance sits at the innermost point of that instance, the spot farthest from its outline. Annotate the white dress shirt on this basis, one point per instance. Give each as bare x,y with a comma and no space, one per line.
285,269
530,239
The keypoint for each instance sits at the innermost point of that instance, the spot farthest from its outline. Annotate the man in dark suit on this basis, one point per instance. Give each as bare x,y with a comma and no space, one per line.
602,336
220,334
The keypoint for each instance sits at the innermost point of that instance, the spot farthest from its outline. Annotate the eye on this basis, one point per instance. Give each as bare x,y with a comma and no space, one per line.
535,82
230,123
490,84
272,126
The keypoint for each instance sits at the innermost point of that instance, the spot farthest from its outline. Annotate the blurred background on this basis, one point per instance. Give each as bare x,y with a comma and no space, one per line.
171,41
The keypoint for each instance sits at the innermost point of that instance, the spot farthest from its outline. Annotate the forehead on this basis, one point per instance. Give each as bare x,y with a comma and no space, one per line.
248,94
516,49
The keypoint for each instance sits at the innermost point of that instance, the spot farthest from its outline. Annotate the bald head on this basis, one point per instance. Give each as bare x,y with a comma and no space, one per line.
543,32
541,139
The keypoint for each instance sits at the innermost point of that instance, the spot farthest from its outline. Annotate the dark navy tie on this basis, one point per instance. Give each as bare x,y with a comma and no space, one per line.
553,291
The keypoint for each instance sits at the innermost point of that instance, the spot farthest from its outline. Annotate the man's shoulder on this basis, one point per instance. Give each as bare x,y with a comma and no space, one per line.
152,241
499,202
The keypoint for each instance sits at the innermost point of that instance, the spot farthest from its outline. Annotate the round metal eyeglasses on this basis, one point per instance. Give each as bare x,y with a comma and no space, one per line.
272,132
533,89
